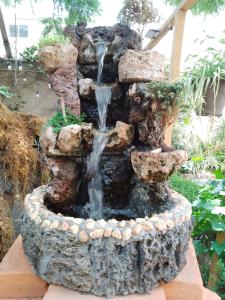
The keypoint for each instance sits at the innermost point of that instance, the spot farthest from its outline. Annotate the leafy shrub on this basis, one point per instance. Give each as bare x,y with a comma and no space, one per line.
4,92
58,120
30,55
187,188
51,40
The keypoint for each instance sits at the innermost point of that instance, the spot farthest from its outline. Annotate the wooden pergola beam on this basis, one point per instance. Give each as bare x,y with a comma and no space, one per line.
185,5
5,36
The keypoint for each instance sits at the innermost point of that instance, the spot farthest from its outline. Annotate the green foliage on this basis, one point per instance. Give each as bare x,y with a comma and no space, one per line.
220,283
5,92
30,55
138,12
203,72
53,26
209,214
77,10
187,188
58,120
51,40
80,10
167,93
208,7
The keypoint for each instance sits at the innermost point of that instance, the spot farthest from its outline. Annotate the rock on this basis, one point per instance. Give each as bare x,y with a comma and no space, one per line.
83,236
147,198
141,66
120,137
46,224
90,225
97,233
63,188
64,226
74,229
77,221
54,225
108,232
117,234
137,229
152,111
58,56
86,88
157,167
48,139
64,83
122,223
126,234
69,140
87,132
102,223
116,171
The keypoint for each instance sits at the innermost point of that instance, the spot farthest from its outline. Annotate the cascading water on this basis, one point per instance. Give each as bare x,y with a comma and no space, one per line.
103,97
101,49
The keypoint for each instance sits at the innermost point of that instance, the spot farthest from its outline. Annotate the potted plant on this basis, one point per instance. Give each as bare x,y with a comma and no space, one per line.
204,82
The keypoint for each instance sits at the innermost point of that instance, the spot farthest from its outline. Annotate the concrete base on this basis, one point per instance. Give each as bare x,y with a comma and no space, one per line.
18,282
17,277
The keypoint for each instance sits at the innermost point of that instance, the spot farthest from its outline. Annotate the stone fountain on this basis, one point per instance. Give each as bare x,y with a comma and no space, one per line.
108,223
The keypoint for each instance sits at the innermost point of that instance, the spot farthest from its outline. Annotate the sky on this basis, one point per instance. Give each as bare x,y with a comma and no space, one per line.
194,27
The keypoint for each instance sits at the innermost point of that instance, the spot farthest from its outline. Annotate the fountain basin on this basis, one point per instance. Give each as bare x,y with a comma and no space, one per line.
106,258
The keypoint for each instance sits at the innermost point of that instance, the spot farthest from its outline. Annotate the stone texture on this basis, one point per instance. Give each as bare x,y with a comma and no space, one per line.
120,137
116,171
75,264
48,139
141,66
64,83
54,57
119,38
86,88
69,139
63,188
157,167
146,198
149,114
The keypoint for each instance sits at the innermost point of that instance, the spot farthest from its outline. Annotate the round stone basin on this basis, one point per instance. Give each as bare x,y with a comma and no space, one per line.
106,258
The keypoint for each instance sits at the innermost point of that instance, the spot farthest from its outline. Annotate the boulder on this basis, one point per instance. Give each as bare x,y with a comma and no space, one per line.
152,110
157,167
57,56
87,133
120,137
148,198
63,188
141,66
86,88
48,139
64,83
69,139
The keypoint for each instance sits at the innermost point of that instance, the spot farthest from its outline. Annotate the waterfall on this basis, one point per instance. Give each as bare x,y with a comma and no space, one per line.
103,98
101,49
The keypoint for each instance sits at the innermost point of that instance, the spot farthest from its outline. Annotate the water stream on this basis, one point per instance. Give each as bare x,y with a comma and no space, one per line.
101,49
103,98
